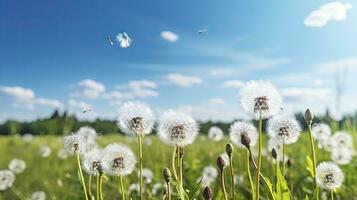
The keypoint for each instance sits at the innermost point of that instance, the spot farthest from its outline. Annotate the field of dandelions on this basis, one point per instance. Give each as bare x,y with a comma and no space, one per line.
178,161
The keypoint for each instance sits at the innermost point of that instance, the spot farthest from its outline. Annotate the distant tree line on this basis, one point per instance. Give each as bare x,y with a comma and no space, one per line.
62,124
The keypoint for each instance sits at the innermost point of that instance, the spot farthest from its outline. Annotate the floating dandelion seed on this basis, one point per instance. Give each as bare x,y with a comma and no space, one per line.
243,134
215,133
109,38
342,156
7,178
92,162
75,144
38,195
260,96
329,175
45,151
118,160
342,139
201,31
135,118
17,166
124,40
177,128
284,128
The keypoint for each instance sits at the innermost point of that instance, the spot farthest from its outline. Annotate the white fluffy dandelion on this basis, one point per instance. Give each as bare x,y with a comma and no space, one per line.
89,136
243,132
215,133
225,159
7,179
27,137
135,118
17,165
75,144
210,172
38,195
45,151
92,162
342,139
147,175
177,128
321,131
284,128
134,188
118,160
329,175
342,156
260,96
124,40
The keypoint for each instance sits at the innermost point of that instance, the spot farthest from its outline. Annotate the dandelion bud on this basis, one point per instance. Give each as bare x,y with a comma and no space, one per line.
180,152
221,163
207,193
289,162
167,175
245,140
309,116
229,149
273,153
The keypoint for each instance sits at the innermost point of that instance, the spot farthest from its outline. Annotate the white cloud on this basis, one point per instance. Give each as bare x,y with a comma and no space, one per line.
25,97
183,80
220,72
233,84
216,101
336,11
331,66
88,88
78,104
169,36
305,94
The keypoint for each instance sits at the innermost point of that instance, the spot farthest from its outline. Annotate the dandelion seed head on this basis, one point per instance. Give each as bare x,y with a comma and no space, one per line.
329,175
17,165
177,128
89,136
215,133
118,160
38,195
342,156
135,118
124,40
260,96
321,131
342,139
241,131
284,128
7,179
134,188
45,151
210,172
75,144
27,137
92,162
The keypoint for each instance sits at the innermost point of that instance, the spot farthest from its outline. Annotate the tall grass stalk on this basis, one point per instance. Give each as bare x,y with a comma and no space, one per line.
82,178
259,154
18,193
309,117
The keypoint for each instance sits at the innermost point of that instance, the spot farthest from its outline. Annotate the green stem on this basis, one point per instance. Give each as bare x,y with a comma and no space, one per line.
122,188
173,163
284,158
250,176
313,155
223,185
141,165
98,190
17,193
259,154
181,169
332,198
90,186
232,176
82,178
101,187
168,190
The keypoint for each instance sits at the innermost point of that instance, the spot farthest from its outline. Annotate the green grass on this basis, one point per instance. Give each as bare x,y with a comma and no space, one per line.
45,173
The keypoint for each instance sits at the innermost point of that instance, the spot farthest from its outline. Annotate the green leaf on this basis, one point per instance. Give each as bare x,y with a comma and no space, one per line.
310,166
181,192
307,197
282,189
196,190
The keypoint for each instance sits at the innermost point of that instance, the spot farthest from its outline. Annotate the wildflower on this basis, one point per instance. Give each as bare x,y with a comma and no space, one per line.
321,131
260,97
27,137
124,40
75,144
38,195
89,136
342,139
329,175
118,160
243,134
17,166
177,128
215,133
135,118
7,178
284,128
342,156
92,162
147,175
45,151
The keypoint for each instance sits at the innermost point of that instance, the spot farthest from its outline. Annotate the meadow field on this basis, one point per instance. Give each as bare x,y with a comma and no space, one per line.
57,175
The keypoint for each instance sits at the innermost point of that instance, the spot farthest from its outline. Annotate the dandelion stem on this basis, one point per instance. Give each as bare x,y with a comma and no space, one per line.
141,165
181,170
332,198
168,190
17,193
259,154
250,176
98,190
223,185
232,176
313,155
122,191
81,176
284,157
101,187
90,186
173,163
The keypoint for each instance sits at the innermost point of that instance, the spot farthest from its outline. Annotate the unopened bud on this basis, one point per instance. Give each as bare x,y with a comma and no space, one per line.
245,140
273,153
207,193
309,116
181,152
167,175
229,149
220,162
289,162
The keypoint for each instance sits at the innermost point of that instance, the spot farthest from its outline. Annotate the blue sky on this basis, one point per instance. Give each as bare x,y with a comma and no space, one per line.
55,54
